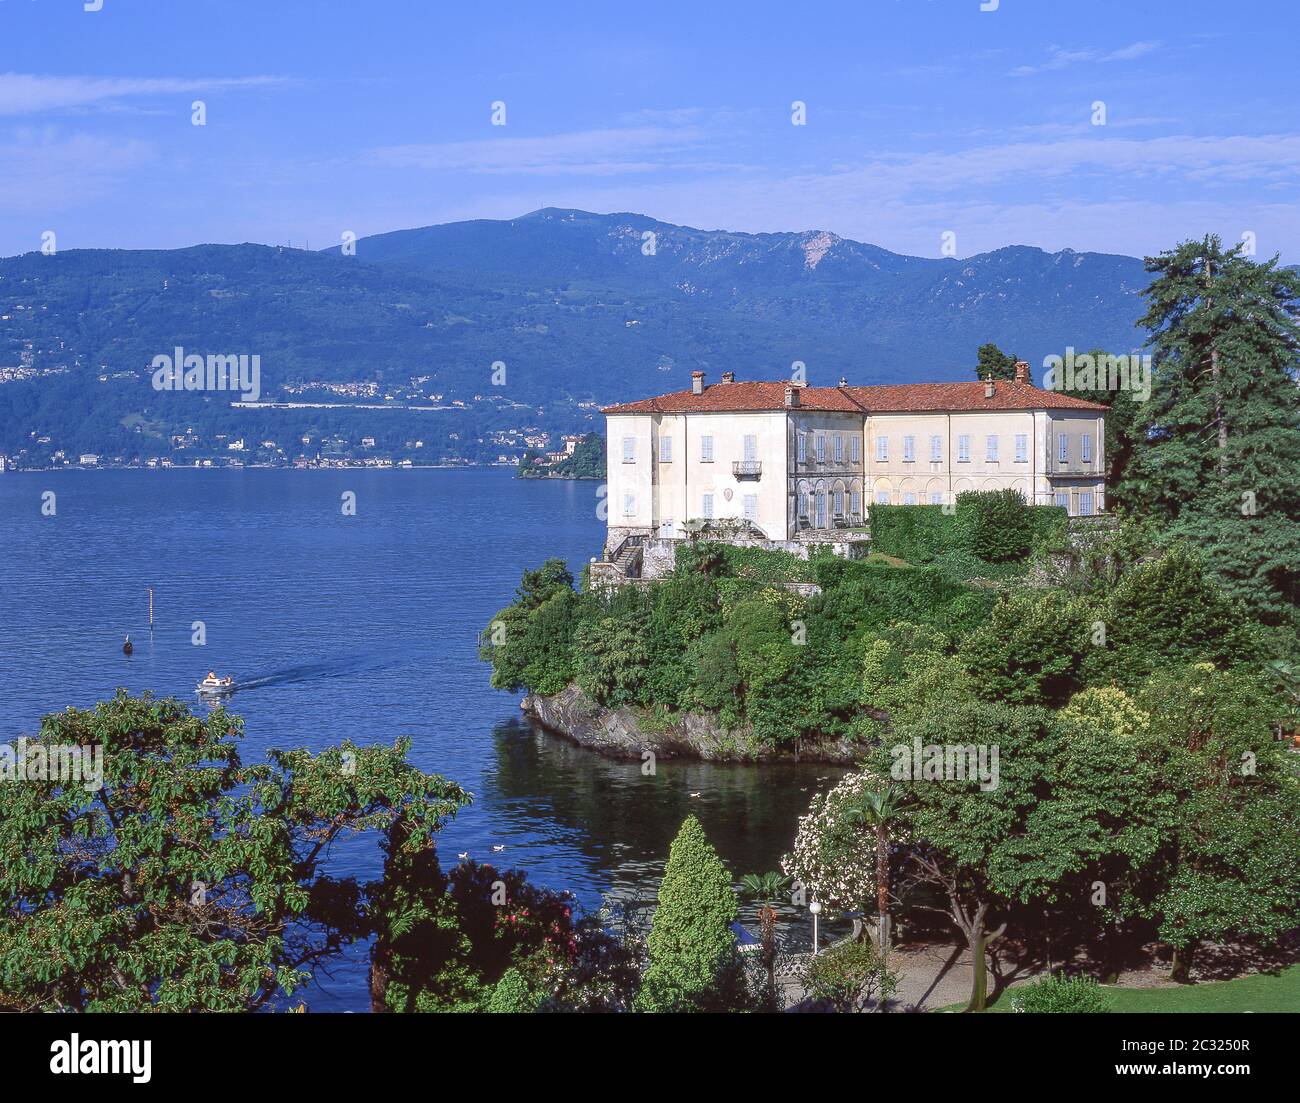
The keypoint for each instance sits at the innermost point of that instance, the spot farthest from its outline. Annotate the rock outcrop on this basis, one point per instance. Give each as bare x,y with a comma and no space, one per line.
628,733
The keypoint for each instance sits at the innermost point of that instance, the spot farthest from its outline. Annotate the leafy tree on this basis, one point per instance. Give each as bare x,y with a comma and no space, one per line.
512,995
1067,802
833,858
1030,649
529,643
548,642
537,586
685,608
1226,868
610,660
692,947
1219,454
1165,613
422,958
765,651
189,881
992,362
1108,710
718,683
447,942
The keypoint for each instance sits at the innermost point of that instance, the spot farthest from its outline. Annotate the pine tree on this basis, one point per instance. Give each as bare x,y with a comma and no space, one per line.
991,361
692,947
1218,459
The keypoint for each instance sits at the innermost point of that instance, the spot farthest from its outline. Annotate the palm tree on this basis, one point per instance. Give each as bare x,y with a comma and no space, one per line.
765,888
876,811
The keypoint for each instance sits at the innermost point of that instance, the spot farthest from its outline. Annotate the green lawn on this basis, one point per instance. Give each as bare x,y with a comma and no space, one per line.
1254,993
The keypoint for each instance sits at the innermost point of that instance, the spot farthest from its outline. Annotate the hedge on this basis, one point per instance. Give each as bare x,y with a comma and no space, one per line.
989,527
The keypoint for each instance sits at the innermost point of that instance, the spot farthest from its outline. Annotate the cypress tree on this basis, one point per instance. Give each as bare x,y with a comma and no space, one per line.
692,947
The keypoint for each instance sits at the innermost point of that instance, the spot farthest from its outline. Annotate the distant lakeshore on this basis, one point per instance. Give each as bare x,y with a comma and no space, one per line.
332,465
215,465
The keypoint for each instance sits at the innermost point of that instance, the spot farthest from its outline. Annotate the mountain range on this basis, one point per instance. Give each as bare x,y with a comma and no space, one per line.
582,309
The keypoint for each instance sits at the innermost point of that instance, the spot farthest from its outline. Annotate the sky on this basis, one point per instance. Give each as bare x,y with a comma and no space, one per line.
1119,127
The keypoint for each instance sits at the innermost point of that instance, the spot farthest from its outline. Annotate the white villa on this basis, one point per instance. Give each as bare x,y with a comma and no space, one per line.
799,463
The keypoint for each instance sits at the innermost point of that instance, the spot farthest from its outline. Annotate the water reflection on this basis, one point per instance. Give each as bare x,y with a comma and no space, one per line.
623,822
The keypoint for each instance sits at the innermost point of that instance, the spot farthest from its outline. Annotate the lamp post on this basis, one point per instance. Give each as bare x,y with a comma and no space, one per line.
816,908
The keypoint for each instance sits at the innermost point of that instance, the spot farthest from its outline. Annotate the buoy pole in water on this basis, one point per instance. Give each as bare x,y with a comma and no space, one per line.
151,612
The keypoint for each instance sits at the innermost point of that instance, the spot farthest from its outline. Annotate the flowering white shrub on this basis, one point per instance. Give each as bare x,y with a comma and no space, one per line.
833,857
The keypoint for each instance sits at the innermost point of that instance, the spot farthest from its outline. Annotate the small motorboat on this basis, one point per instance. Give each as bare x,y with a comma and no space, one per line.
212,686
127,648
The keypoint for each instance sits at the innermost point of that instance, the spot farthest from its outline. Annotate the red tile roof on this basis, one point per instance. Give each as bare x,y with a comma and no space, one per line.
943,397
899,398
738,397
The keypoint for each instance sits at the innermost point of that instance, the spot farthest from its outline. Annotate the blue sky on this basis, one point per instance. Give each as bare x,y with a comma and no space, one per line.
923,116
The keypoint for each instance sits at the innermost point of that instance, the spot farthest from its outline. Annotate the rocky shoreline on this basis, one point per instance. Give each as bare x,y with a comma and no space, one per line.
628,733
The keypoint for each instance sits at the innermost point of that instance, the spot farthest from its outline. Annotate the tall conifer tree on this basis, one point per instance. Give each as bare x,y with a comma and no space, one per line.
1218,461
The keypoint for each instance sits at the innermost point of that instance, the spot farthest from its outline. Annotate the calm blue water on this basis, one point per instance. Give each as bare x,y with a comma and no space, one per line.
357,627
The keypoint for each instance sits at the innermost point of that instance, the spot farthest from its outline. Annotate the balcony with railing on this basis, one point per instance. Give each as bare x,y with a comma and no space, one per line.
747,469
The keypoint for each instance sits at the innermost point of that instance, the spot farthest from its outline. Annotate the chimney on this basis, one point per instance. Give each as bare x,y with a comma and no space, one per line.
843,382
1022,372
791,394
728,376
988,386
697,382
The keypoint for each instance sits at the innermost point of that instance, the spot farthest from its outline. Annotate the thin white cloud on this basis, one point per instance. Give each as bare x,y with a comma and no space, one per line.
1174,157
607,152
1060,58
32,94
44,172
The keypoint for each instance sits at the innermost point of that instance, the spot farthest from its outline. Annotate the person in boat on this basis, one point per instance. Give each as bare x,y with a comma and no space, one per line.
126,647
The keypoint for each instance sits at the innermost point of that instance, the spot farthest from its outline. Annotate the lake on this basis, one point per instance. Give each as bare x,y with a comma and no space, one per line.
362,627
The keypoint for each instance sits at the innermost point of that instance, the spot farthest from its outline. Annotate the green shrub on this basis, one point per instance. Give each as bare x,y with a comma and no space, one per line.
998,524
985,530
862,596
512,995
765,565
914,533
1030,650
1060,996
850,977
1168,612
610,659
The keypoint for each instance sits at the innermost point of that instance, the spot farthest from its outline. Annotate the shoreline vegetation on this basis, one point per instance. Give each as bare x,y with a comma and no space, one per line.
585,461
993,600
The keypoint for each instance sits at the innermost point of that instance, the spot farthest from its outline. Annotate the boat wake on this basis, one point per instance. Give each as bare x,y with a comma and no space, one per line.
343,667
